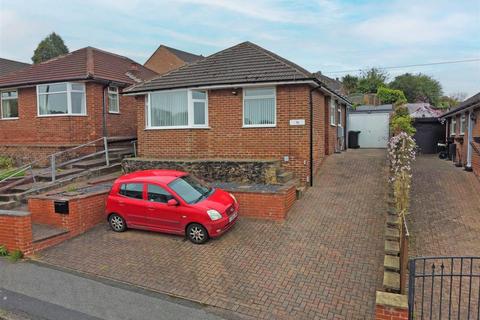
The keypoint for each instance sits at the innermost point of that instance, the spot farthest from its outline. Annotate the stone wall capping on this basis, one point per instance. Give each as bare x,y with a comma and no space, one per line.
391,281
391,263
393,300
14,213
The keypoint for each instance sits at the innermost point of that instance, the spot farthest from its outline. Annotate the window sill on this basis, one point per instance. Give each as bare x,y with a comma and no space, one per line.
259,126
7,119
333,125
112,112
61,115
175,128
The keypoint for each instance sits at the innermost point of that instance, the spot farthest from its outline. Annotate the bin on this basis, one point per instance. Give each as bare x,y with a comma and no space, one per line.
353,139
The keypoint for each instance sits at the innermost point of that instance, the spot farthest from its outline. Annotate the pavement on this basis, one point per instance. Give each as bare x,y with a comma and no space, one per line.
445,209
325,261
29,291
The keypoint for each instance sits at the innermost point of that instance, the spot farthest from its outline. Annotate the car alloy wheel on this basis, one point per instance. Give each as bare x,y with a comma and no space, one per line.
117,223
197,233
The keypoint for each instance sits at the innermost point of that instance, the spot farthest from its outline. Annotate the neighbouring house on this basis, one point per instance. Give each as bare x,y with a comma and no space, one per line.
67,101
430,130
166,59
236,110
463,127
7,66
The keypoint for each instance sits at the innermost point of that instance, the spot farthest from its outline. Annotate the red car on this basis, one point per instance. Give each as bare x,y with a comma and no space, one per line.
172,202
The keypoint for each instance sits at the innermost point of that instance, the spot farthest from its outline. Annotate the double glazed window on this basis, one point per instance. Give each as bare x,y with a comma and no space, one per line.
177,109
340,117
113,100
463,123
453,126
333,104
9,105
259,107
66,98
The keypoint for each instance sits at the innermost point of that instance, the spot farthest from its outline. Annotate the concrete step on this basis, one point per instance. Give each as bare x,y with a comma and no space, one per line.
391,263
392,221
88,164
300,192
391,281
284,176
6,205
392,234
41,232
392,248
25,187
60,174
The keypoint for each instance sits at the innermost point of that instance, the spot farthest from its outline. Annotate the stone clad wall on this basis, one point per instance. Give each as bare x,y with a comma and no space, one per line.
241,171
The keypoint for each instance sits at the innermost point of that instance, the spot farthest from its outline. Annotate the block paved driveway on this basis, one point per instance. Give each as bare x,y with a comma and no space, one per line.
324,262
445,209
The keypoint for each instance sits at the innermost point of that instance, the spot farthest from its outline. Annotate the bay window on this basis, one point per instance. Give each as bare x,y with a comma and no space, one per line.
113,100
9,105
177,109
259,107
58,99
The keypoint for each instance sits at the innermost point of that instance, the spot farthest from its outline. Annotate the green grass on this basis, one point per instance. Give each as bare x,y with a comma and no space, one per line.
6,173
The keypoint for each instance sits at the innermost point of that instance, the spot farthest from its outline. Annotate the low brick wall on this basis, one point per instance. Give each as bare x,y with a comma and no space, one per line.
85,211
240,171
272,205
391,306
390,313
16,230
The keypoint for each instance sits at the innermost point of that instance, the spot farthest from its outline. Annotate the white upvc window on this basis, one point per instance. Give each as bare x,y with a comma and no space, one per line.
332,111
463,123
340,117
259,107
60,99
113,100
177,109
453,126
9,105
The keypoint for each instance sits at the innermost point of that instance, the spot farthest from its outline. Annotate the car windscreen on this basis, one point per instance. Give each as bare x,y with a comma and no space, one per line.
189,189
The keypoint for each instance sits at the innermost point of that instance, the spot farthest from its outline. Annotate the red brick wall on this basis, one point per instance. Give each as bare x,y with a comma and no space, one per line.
274,206
389,313
163,61
44,135
16,232
227,139
331,133
84,213
475,154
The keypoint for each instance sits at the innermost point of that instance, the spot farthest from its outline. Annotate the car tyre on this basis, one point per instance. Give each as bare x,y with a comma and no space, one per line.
117,223
197,233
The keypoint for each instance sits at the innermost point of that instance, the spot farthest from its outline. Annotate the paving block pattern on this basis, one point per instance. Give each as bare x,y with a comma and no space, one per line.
325,261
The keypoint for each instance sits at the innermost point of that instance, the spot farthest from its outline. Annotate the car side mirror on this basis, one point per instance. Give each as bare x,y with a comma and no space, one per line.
172,203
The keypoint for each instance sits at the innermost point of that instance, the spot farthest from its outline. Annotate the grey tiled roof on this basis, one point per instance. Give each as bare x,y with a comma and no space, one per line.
333,84
475,99
185,56
243,63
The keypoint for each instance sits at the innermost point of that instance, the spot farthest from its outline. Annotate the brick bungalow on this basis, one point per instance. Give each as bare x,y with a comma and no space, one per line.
244,102
464,129
166,59
67,101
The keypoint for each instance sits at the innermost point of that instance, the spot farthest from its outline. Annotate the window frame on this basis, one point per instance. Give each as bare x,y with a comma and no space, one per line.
190,111
463,123
117,93
453,126
244,89
1,105
69,99
333,111
339,112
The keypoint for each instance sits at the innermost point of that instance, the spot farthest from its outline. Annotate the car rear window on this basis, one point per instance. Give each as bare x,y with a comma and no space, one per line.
132,190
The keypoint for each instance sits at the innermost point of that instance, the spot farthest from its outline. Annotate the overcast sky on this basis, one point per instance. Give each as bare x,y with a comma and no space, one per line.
316,34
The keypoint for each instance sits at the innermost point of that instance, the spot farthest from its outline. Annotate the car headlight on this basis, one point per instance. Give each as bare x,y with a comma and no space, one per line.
233,197
214,214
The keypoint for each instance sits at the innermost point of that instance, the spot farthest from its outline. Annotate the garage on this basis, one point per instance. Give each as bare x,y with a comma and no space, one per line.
373,124
430,130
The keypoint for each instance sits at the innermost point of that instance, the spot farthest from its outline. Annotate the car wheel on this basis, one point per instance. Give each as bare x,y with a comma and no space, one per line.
197,233
117,223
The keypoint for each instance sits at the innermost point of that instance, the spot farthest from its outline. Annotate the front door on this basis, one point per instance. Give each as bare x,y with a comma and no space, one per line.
159,214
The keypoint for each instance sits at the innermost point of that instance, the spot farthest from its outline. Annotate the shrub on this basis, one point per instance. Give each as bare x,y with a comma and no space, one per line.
402,124
6,162
3,251
15,255
392,96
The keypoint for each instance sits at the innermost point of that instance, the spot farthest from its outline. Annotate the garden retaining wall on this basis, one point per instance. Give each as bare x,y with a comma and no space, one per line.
16,230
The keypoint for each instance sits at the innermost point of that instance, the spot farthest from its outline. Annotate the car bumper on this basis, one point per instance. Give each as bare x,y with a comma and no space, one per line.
217,228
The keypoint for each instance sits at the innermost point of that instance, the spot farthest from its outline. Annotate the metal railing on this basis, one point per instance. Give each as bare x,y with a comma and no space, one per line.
404,236
444,288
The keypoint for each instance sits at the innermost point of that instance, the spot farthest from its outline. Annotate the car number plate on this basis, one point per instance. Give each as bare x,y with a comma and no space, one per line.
232,217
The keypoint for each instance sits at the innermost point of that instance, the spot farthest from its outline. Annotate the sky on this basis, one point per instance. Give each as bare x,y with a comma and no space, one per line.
319,35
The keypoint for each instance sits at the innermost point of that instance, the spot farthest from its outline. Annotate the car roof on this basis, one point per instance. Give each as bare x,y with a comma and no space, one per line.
154,176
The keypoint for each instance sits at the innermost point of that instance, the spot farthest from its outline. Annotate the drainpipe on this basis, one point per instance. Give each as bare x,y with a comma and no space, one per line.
468,167
311,133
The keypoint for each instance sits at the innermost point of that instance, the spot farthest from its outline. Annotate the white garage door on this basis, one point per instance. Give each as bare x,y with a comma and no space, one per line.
373,127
